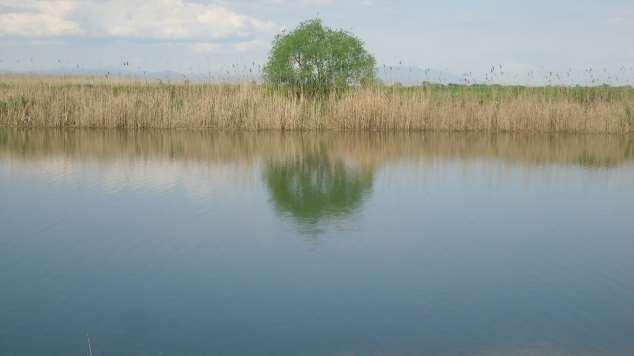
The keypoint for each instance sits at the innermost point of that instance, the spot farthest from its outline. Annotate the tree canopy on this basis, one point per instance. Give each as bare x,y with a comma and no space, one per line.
315,59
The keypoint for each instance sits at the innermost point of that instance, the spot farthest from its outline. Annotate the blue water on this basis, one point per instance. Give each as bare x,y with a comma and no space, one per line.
179,243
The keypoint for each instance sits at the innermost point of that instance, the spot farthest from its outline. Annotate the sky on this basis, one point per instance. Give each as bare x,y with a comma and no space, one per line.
522,40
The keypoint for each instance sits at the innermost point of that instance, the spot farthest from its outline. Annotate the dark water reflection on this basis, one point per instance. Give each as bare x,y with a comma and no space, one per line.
313,187
199,243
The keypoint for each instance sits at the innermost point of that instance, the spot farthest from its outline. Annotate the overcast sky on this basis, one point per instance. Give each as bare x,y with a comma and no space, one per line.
197,36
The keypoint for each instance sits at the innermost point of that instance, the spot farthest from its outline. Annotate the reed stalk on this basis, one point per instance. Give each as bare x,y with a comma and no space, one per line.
83,102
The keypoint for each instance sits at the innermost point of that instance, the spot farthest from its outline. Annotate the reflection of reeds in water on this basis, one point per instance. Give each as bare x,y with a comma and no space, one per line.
361,149
86,102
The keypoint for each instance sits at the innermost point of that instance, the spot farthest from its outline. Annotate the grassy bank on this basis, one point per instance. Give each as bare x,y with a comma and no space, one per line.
119,103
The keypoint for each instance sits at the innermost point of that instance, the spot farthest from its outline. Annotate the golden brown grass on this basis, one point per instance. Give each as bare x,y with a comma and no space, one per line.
74,102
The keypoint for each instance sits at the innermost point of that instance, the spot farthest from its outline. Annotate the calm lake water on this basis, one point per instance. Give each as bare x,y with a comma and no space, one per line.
194,243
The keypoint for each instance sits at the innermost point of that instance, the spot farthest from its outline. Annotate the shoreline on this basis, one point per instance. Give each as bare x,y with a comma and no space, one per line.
95,102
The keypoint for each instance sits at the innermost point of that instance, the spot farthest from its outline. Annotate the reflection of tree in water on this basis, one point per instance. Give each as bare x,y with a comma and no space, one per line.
314,187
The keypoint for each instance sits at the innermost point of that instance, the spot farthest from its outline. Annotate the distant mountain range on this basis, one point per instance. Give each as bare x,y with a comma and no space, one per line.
411,75
162,75
399,74
406,75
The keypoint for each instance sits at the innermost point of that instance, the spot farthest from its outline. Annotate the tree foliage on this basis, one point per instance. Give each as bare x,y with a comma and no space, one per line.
313,59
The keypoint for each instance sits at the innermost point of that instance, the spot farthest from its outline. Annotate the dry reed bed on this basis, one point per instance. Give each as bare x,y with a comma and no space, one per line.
363,149
120,103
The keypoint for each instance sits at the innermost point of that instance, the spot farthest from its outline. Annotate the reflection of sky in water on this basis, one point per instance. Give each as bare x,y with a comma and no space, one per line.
434,255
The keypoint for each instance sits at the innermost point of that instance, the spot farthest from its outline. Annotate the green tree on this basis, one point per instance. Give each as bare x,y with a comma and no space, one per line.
313,59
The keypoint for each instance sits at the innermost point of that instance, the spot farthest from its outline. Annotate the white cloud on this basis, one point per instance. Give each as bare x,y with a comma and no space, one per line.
155,20
300,2
204,47
242,46
29,18
249,45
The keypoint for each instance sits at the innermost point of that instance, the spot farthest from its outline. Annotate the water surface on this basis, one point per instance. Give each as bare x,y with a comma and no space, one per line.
198,243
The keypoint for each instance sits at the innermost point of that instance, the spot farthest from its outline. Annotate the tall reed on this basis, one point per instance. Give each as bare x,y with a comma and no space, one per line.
119,103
